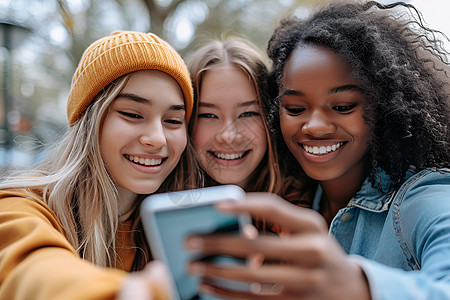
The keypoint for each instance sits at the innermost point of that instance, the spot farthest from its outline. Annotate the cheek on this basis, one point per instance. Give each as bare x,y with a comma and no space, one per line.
364,136
258,133
180,142
202,136
361,129
288,126
197,136
107,132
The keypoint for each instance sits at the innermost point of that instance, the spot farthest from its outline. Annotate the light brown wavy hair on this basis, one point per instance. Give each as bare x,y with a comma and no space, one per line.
238,52
74,182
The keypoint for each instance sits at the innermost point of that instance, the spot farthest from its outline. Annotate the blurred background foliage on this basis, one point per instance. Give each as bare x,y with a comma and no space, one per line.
36,73
41,42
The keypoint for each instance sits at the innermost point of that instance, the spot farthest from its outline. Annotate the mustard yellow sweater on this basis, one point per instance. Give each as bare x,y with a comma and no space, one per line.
37,261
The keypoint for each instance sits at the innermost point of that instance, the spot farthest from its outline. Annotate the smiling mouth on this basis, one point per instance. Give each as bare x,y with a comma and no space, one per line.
145,161
322,150
229,156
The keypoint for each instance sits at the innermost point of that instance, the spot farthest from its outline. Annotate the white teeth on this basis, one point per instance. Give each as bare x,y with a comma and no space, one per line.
322,149
144,161
228,156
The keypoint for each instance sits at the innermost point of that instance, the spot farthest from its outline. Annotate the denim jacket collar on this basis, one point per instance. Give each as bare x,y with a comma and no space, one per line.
369,197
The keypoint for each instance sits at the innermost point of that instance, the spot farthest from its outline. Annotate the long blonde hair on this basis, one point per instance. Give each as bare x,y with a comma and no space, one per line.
75,184
241,53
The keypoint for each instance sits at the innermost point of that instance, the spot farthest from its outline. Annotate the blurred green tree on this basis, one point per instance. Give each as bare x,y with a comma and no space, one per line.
43,66
185,23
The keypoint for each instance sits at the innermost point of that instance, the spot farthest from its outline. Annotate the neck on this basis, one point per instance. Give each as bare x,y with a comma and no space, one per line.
338,193
126,202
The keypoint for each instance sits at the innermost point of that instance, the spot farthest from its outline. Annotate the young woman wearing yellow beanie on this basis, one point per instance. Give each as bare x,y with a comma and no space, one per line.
70,228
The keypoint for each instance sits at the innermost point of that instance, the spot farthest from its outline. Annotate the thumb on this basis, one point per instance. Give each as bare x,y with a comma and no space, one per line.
152,283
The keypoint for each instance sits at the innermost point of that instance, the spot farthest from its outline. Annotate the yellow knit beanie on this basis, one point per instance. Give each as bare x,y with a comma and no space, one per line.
118,54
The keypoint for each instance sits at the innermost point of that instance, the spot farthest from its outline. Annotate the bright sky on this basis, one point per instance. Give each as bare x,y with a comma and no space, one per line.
436,14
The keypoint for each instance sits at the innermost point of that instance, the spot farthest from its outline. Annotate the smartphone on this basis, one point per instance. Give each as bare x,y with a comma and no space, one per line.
168,218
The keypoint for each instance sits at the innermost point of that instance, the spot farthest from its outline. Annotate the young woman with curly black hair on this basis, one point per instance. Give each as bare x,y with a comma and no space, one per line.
363,110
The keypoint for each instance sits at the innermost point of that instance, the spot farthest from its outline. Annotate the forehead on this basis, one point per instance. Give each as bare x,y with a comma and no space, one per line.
154,85
227,85
312,59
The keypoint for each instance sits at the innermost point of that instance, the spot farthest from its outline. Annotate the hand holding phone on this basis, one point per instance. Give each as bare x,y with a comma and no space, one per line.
169,218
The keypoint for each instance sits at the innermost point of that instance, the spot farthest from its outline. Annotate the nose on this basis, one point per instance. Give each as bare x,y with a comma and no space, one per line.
153,135
318,125
231,133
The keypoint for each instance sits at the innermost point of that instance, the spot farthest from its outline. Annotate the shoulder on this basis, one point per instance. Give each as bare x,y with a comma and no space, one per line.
424,184
424,197
18,204
429,177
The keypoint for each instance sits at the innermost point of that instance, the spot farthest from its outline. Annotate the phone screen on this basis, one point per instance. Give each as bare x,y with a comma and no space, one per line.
174,226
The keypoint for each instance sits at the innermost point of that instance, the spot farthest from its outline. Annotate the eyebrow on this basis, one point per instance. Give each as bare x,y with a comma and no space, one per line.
248,103
339,89
347,87
140,99
244,104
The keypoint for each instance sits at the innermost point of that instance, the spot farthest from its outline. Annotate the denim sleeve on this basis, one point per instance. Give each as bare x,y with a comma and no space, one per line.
424,230
388,283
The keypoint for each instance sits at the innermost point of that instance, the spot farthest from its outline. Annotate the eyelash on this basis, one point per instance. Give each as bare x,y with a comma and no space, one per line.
209,116
130,115
243,115
250,114
344,108
136,116
174,122
294,111
340,108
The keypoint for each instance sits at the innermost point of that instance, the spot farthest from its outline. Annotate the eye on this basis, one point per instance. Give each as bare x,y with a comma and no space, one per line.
344,108
294,110
130,115
174,122
207,116
250,114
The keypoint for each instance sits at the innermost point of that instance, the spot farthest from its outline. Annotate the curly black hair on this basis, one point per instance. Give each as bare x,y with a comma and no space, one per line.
400,65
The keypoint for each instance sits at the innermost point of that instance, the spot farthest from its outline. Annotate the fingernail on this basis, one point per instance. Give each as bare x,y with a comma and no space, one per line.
255,261
196,268
194,243
225,205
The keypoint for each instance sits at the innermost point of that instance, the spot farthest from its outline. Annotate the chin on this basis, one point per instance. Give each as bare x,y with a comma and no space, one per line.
150,189
235,181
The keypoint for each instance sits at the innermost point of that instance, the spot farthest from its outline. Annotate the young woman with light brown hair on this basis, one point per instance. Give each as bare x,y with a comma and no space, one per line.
70,228
229,127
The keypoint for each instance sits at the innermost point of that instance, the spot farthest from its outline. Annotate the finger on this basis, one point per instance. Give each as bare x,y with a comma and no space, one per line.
250,232
196,241
276,210
304,250
255,261
159,275
134,287
286,277
257,291
153,283
222,293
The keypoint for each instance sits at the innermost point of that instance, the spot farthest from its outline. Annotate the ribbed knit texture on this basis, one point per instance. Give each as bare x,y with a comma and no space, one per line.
121,53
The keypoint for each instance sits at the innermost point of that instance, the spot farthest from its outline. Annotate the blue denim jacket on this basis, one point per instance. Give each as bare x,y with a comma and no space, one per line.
401,239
